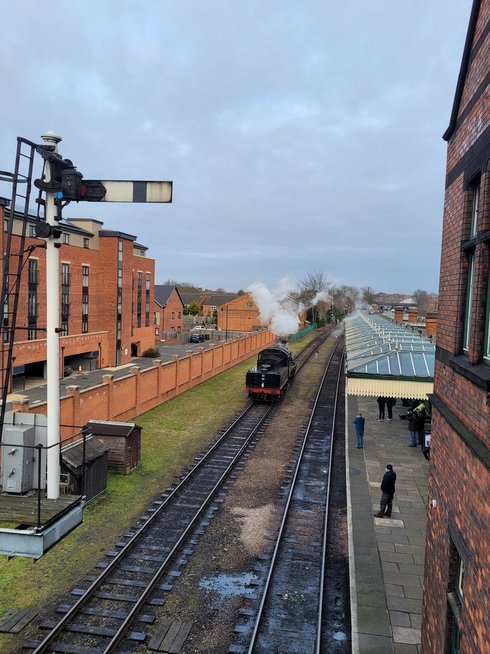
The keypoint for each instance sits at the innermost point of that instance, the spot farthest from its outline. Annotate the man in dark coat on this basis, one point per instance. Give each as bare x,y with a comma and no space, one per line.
413,427
359,425
387,492
390,403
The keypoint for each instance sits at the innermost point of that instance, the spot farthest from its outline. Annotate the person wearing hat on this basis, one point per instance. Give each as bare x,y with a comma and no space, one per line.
387,493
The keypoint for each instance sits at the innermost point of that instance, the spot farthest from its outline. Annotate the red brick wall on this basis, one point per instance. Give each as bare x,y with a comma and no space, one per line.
127,397
460,486
459,479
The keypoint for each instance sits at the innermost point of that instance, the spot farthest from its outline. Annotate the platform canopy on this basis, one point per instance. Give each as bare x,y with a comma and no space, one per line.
385,359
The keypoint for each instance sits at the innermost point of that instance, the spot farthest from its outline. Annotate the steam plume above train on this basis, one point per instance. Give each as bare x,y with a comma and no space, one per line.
277,306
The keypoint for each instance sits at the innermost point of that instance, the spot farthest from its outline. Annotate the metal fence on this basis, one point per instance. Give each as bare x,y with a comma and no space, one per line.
301,333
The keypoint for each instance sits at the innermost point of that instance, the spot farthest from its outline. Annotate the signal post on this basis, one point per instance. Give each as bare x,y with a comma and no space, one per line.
62,184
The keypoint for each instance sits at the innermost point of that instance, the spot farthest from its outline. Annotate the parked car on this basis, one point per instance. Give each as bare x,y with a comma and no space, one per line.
67,370
196,338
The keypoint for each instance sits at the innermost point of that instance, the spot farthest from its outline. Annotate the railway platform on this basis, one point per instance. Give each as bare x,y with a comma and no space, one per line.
386,554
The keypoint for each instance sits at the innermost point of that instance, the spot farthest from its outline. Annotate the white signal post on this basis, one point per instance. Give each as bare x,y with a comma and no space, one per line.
115,191
52,338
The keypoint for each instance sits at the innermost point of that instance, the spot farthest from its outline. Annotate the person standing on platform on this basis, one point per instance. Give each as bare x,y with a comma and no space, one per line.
387,493
381,404
359,425
413,427
421,426
390,403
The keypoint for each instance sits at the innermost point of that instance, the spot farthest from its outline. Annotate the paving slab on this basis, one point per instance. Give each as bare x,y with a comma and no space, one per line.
386,554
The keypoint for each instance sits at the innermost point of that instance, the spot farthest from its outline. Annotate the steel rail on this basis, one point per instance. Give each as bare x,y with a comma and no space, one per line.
318,643
136,537
43,646
277,546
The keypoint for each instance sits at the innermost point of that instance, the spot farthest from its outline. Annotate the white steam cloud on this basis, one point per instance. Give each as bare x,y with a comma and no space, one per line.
277,307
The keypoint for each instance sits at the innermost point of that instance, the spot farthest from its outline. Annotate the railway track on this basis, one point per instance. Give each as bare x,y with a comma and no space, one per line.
289,617
116,609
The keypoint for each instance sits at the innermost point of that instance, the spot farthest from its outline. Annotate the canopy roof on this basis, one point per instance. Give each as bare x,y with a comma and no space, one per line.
379,350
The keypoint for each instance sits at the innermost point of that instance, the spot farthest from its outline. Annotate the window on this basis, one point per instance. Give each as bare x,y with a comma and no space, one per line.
455,597
32,308
85,296
139,299
86,242
467,308
65,274
475,207
486,342
147,299
32,231
65,298
66,239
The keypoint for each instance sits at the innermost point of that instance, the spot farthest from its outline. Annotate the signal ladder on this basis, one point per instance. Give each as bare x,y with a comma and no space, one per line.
15,257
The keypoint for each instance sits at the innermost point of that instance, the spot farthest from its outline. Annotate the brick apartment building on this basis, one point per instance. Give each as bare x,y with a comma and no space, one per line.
457,567
106,297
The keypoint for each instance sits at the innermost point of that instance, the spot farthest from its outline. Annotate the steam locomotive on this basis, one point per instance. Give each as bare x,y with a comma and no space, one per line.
269,379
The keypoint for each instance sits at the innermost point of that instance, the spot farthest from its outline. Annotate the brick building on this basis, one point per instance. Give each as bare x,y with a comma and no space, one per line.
240,314
213,301
457,574
169,311
106,297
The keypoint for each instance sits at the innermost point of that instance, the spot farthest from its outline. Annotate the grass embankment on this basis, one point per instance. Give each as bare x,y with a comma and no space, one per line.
171,434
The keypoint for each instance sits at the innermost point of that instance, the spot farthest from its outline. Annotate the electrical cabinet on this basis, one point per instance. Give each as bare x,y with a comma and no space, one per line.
18,458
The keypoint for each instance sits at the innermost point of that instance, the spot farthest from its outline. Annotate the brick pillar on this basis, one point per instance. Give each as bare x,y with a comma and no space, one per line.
74,393
412,315
109,380
431,325
175,361
398,314
135,370
22,406
157,363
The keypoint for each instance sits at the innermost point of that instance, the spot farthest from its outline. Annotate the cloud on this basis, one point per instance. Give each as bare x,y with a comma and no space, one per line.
299,136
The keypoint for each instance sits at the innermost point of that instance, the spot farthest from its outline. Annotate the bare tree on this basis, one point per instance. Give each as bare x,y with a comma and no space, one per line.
344,298
368,294
422,298
312,289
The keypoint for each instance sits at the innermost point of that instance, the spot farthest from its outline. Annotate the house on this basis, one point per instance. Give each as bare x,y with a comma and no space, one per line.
239,314
192,297
456,594
213,300
169,312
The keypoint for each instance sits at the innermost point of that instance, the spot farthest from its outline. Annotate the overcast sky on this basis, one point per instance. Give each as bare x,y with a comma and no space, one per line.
300,136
